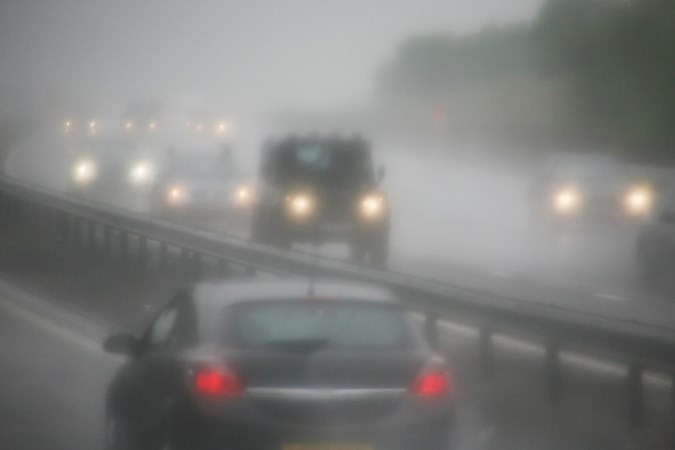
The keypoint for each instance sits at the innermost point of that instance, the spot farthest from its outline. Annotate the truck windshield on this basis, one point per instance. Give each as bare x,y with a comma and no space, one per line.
324,164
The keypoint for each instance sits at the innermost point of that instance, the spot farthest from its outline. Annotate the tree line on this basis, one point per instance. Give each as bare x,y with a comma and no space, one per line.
615,58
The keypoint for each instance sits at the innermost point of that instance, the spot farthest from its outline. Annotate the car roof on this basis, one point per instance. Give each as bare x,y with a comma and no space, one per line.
216,295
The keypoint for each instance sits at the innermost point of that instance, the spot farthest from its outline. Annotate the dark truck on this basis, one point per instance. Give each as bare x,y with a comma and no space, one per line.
318,189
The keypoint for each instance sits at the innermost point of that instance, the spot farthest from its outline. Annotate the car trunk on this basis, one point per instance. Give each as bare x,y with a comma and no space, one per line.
325,385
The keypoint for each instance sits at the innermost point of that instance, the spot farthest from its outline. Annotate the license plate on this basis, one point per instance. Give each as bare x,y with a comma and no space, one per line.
327,447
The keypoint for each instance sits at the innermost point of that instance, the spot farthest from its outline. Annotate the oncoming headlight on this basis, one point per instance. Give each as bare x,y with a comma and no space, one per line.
243,195
222,128
567,200
300,205
638,201
175,194
372,206
84,172
142,172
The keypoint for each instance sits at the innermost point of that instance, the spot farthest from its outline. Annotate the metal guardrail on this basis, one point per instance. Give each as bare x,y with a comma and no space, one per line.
87,223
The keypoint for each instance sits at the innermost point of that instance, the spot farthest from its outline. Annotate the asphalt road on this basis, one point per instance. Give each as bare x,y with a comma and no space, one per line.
52,382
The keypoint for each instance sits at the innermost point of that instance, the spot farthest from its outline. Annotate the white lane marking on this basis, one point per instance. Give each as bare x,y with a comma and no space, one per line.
616,298
52,327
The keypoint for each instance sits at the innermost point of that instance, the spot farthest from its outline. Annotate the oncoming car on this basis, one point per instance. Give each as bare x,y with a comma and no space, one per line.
319,190
586,188
202,181
112,164
280,365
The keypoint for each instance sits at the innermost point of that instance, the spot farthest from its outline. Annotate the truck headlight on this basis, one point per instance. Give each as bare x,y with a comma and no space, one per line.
142,173
372,206
638,201
567,201
300,205
84,172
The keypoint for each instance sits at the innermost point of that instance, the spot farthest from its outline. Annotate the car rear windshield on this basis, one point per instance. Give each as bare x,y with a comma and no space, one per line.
317,324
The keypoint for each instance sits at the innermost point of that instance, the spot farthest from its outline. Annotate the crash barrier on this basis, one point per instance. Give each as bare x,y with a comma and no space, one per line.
86,224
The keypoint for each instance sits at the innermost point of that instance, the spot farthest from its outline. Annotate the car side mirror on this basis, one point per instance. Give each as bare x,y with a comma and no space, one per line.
381,173
121,343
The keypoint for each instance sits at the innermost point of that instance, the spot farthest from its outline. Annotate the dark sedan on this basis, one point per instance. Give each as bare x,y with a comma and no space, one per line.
283,365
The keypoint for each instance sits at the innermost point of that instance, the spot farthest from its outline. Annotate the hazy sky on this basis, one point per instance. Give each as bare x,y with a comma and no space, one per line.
257,52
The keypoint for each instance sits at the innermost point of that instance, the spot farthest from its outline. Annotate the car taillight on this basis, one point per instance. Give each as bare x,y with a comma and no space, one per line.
433,384
216,382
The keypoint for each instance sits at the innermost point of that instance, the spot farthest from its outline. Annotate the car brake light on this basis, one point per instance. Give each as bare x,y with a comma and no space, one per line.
432,384
216,382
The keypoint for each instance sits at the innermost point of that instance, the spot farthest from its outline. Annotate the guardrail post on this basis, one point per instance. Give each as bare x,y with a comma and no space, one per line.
4,208
222,267
553,372
162,256
197,264
36,217
124,246
107,238
77,229
184,263
91,236
65,229
672,395
431,330
486,354
142,250
635,395
46,220
16,210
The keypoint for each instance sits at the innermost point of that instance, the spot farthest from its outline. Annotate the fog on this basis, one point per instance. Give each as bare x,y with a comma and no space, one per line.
518,151
238,54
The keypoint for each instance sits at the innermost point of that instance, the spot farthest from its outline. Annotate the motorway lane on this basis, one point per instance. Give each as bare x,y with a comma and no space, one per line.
52,384
53,381
466,223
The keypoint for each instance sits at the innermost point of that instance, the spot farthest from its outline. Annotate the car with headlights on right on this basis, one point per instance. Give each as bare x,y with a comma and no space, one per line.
280,365
585,188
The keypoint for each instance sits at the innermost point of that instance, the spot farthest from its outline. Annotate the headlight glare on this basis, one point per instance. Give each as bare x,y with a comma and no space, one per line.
84,172
300,205
372,206
142,173
243,195
638,201
567,200
175,194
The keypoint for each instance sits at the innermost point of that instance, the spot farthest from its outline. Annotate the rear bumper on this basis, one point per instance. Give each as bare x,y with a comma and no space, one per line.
410,427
